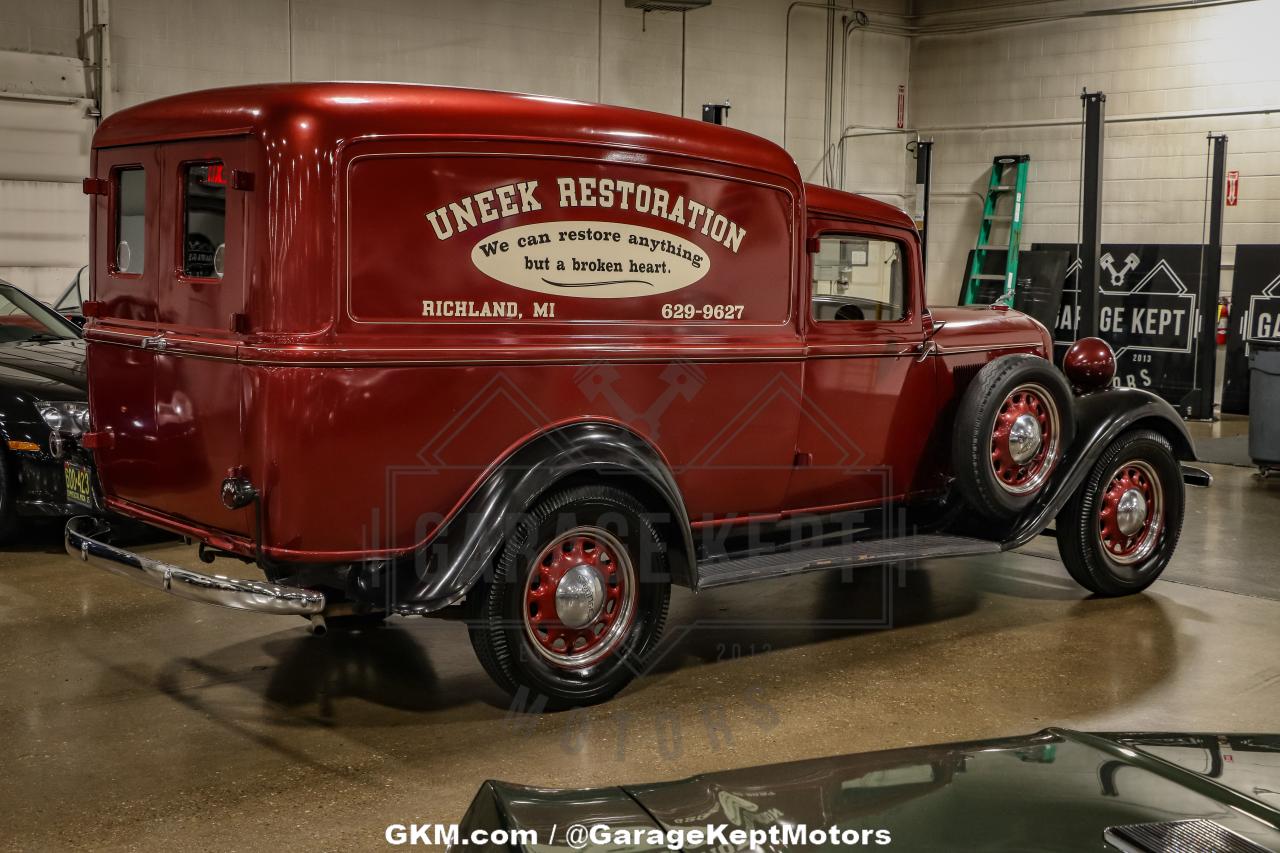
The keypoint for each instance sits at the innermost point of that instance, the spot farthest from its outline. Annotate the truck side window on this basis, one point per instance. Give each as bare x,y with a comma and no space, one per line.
204,217
130,220
858,278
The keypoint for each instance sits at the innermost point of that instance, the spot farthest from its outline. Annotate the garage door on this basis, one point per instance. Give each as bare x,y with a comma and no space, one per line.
44,216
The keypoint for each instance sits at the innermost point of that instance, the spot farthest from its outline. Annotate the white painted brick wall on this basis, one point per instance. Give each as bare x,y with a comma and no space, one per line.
1218,58
583,49
40,26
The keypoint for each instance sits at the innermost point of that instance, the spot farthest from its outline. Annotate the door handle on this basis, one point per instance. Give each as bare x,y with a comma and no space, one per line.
928,346
921,350
157,343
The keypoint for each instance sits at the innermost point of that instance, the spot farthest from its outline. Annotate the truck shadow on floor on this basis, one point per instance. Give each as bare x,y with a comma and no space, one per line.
387,668
412,672
732,622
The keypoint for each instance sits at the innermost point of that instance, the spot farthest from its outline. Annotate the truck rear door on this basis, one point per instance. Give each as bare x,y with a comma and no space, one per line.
188,360
201,311
125,271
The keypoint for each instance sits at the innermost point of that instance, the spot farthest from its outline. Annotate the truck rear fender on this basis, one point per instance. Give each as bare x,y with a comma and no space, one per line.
460,554
1100,418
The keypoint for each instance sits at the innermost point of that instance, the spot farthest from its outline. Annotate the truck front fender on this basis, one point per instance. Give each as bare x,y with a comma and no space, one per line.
463,550
1100,418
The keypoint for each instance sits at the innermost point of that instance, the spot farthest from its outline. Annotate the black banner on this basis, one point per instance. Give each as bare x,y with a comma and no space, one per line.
1255,313
1039,288
1148,310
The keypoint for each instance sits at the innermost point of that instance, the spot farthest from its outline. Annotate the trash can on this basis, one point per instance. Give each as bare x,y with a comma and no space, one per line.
1264,401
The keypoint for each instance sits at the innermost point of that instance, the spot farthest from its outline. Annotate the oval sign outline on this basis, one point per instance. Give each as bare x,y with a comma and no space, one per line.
655,249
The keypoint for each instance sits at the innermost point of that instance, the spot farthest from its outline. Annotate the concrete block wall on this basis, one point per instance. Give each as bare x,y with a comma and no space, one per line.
585,49
1214,58
1157,64
591,50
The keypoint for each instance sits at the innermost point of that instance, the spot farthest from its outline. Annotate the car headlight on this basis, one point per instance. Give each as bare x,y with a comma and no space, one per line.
70,418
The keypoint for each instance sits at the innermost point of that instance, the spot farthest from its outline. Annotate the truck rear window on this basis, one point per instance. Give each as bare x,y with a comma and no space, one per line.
204,206
130,224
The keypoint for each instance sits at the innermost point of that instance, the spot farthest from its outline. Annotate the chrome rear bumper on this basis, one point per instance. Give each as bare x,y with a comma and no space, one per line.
258,596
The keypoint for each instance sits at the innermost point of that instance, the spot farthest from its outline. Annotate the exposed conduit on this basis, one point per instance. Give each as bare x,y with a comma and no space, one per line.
858,131
1004,23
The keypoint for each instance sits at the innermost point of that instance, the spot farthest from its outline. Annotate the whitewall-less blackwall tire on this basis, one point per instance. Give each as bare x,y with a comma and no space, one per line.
1119,530
1013,425
577,601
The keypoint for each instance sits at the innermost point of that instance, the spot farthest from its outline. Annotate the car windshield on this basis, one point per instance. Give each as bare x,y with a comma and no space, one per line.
23,318
71,297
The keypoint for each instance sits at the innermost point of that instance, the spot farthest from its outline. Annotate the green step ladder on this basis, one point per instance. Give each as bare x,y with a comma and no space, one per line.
1008,180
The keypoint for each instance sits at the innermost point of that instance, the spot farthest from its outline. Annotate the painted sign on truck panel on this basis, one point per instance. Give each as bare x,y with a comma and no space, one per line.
448,238
590,260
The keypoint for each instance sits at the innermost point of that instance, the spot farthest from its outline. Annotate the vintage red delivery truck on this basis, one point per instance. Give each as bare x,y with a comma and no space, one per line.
419,350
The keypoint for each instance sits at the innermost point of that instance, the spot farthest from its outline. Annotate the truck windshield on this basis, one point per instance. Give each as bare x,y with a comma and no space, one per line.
23,318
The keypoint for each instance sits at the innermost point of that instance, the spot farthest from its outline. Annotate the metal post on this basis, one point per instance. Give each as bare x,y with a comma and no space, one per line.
924,178
1210,284
1090,213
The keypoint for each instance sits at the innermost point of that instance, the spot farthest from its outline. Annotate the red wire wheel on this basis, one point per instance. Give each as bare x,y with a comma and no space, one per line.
580,598
1025,439
1131,513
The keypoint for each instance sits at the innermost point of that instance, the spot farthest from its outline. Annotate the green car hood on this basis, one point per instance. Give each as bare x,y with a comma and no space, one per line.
1057,790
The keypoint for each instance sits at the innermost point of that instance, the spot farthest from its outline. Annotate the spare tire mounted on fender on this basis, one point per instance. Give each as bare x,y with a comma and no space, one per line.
1012,427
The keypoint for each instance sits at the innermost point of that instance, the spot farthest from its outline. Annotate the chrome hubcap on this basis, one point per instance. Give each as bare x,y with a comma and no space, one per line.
579,597
1131,512
1024,438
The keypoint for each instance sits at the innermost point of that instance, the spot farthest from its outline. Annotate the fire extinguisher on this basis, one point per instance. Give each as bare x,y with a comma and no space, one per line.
1224,314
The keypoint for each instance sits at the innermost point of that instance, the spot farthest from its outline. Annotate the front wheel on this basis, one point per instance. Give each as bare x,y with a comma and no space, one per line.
577,602
1012,427
1119,530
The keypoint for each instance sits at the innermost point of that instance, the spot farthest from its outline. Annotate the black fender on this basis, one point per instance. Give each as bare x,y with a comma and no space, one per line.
462,551
1100,418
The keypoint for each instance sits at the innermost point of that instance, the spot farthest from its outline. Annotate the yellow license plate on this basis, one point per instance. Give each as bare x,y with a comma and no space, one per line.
79,488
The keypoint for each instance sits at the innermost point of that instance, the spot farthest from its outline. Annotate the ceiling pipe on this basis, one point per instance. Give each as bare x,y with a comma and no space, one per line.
1122,119
857,131
983,26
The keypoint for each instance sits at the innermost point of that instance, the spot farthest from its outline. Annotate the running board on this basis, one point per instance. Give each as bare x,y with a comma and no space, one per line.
873,552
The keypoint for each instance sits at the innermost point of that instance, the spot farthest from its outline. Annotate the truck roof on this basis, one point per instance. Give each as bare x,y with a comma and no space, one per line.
839,203
331,112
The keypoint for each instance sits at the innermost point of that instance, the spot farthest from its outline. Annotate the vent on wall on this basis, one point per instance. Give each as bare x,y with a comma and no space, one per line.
667,5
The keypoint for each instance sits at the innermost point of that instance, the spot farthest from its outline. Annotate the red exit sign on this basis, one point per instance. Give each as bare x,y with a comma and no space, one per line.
1233,188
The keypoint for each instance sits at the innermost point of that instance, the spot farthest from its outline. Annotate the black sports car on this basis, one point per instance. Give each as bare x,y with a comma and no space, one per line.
43,410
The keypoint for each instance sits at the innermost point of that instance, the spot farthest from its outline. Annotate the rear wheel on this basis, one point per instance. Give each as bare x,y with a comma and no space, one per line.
1120,529
577,602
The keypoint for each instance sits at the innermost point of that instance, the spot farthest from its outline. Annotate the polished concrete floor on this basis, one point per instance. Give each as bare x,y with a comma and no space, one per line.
130,720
